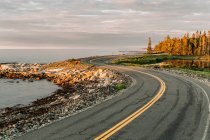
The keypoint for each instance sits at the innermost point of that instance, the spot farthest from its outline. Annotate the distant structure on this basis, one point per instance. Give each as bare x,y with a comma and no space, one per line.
149,48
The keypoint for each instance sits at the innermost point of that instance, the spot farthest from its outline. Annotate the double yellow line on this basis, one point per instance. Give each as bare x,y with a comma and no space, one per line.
133,116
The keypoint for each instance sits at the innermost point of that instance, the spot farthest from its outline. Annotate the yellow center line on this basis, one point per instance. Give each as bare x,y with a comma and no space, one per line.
133,116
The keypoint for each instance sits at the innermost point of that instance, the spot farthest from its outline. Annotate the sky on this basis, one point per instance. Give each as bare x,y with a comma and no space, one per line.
97,24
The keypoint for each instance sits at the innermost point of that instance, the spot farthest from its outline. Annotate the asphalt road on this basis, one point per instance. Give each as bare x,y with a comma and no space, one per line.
182,113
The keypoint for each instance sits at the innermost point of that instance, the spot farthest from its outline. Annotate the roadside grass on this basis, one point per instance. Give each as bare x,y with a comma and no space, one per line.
154,61
151,59
120,86
67,64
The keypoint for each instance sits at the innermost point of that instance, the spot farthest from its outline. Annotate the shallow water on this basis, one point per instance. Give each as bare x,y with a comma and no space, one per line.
24,92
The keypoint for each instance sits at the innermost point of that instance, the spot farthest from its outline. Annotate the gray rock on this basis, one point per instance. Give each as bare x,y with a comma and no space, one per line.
91,90
103,75
107,82
30,80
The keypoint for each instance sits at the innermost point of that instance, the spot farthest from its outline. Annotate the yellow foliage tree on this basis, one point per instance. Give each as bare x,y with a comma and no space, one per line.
197,44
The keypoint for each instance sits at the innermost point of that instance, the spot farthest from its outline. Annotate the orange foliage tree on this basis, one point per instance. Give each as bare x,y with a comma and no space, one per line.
197,44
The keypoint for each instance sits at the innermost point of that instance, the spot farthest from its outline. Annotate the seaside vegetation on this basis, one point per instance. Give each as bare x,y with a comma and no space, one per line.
195,47
67,64
151,59
120,86
155,61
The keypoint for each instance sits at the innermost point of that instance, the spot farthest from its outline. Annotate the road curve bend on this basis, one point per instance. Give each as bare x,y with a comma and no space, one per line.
137,113
181,113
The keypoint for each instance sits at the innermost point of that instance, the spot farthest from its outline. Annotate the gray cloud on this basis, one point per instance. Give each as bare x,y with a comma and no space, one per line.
99,24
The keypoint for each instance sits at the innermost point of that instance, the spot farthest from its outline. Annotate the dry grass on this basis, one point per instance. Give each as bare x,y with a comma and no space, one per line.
67,64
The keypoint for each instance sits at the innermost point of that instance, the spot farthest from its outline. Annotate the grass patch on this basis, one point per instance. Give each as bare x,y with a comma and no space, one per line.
119,87
154,61
67,64
151,59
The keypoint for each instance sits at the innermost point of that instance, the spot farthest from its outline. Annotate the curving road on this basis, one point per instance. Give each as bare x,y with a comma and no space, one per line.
181,113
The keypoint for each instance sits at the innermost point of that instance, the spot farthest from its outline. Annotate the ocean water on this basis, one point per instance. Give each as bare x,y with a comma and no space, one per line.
46,56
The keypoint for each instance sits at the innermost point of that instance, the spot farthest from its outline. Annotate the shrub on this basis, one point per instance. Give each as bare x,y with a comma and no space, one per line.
119,87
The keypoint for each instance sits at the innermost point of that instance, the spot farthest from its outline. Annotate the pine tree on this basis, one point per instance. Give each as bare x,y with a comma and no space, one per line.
208,43
208,47
197,35
149,48
203,44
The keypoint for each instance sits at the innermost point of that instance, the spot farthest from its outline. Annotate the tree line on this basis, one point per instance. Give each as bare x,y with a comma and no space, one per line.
196,44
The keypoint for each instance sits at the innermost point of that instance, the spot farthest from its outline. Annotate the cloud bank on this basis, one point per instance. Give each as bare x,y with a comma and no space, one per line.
102,24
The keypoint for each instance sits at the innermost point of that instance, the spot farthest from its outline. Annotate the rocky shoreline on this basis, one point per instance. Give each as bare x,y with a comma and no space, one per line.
81,85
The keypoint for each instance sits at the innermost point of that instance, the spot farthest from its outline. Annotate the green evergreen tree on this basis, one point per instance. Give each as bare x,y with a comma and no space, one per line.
149,48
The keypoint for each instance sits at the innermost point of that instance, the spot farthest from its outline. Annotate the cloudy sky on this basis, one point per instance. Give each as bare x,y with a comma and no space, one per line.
97,24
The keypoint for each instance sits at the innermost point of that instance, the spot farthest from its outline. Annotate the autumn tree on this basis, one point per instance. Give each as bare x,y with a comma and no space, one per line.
197,44
208,43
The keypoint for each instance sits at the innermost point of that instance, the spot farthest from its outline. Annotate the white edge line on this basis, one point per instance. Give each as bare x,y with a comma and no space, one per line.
208,119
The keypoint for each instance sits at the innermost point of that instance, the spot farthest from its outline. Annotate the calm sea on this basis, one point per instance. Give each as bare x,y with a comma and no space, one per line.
22,92
46,56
